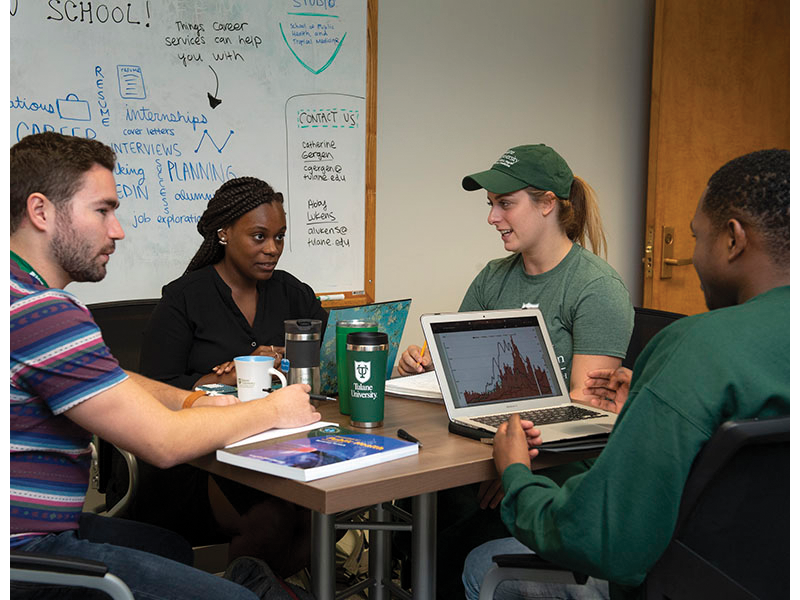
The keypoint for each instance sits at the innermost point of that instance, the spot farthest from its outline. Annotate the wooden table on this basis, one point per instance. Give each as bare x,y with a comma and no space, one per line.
445,460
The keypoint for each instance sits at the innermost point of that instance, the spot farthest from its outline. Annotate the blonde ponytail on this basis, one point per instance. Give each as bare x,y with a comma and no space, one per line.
580,217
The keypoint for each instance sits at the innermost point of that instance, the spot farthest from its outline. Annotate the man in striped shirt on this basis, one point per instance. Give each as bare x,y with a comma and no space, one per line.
66,386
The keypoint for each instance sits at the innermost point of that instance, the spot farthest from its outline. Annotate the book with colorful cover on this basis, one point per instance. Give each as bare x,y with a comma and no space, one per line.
319,453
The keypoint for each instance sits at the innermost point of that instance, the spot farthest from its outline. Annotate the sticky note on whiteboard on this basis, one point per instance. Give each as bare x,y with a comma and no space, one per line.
131,82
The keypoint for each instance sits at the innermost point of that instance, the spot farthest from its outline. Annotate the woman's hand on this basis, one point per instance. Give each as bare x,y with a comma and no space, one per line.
223,368
224,373
276,352
413,361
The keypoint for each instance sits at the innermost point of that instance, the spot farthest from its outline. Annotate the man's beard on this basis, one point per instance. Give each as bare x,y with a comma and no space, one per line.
74,254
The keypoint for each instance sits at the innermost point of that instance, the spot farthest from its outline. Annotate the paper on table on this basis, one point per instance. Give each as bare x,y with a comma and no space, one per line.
278,432
424,386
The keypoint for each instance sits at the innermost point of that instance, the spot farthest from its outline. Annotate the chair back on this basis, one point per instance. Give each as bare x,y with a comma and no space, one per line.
731,539
646,323
732,536
122,324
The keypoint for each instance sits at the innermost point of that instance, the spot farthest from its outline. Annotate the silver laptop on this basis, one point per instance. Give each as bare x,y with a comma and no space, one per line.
491,364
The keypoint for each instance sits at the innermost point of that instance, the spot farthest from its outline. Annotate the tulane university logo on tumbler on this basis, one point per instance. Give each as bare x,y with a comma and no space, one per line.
362,368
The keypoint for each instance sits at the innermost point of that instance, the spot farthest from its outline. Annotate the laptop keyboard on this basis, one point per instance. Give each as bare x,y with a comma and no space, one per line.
544,416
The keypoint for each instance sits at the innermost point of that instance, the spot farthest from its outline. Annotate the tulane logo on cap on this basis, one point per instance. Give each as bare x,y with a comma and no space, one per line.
507,160
362,369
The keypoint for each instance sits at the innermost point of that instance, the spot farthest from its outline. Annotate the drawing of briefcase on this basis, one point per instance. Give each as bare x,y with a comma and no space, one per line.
73,108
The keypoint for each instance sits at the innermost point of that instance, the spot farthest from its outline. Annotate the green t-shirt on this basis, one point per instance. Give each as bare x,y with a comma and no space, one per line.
584,301
615,520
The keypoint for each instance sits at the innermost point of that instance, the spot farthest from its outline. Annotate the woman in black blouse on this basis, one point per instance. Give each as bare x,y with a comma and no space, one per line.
231,301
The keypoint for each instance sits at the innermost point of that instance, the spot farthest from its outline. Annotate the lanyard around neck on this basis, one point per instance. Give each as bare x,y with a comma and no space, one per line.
23,264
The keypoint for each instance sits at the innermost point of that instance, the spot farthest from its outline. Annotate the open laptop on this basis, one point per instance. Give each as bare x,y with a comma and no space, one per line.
491,364
391,319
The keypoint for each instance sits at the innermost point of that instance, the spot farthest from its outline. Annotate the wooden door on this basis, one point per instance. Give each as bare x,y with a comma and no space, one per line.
720,89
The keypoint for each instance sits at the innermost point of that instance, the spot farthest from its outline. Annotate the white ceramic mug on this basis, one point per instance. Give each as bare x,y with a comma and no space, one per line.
254,375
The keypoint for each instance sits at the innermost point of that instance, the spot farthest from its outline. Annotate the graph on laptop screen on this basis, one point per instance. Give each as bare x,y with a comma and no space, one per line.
495,360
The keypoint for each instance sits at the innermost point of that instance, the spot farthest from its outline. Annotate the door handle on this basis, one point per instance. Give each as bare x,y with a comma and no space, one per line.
667,249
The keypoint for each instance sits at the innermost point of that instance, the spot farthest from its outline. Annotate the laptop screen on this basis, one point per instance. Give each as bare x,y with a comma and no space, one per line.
492,361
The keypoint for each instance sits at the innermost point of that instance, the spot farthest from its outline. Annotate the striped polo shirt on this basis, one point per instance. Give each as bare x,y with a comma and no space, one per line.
58,360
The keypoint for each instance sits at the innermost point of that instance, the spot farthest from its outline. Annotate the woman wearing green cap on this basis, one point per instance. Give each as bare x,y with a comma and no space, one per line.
545,216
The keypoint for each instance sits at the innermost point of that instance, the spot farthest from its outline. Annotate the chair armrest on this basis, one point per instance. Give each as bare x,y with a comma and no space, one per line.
133,483
47,569
60,564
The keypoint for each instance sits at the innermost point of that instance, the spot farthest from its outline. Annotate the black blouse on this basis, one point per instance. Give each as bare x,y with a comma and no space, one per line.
197,325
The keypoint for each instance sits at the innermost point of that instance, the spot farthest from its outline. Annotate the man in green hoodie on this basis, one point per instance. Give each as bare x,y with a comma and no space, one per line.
615,521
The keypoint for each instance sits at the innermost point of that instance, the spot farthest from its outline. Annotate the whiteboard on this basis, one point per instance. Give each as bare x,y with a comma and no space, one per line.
192,93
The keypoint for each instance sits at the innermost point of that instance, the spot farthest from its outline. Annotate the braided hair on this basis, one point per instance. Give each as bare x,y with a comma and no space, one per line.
233,199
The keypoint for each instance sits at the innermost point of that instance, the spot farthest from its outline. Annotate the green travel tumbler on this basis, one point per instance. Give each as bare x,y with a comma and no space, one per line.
366,374
342,329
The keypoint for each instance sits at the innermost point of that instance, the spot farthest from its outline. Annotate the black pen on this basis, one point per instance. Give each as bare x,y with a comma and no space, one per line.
316,397
322,398
403,434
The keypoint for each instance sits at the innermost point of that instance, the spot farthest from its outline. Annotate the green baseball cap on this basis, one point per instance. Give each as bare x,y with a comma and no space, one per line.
532,165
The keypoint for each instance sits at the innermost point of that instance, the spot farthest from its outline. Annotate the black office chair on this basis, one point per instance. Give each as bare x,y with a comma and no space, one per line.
646,323
731,539
48,569
122,324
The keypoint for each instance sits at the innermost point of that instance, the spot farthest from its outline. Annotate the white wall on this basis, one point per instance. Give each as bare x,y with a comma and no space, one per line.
459,82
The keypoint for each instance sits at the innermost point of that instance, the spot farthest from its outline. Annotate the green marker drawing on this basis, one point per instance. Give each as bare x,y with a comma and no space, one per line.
300,60
314,15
